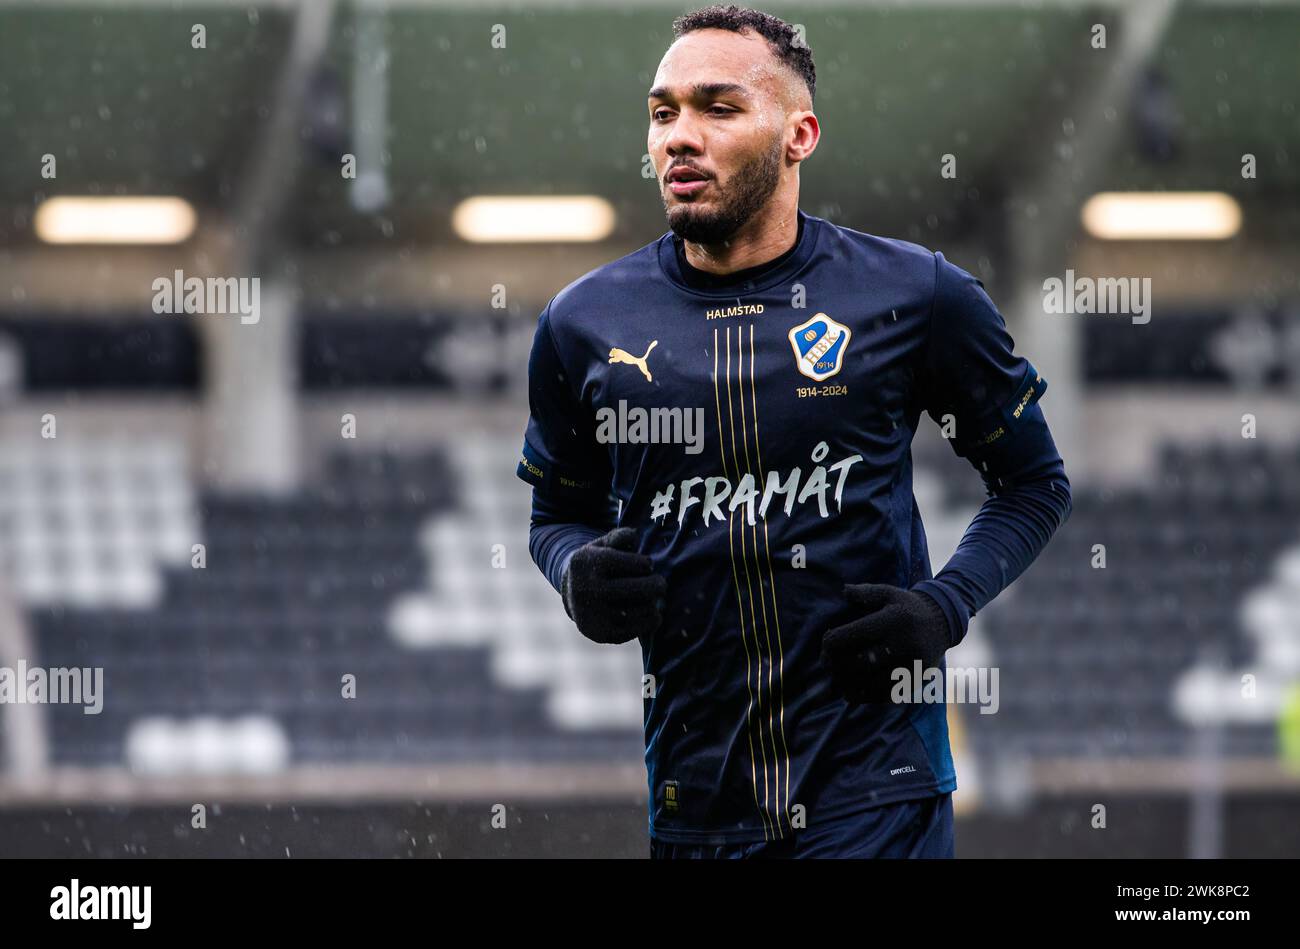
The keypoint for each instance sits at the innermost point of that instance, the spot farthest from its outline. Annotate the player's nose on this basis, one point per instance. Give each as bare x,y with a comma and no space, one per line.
684,137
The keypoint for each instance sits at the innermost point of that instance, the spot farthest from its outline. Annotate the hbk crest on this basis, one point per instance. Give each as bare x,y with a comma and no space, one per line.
819,346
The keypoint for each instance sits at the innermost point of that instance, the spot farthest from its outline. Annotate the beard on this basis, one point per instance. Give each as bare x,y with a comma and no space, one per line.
749,189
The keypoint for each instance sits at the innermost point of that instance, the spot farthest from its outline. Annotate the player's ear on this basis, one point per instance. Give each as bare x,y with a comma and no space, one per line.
807,132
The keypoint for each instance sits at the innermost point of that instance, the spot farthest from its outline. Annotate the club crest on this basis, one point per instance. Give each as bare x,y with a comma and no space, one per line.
819,346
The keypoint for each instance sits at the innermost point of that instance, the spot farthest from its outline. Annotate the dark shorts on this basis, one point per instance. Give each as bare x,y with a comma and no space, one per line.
919,829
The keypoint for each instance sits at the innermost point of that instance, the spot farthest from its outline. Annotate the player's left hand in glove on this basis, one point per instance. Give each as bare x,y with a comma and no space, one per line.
897,627
610,591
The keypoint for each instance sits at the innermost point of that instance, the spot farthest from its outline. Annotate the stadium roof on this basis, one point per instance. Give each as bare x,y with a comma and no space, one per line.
116,93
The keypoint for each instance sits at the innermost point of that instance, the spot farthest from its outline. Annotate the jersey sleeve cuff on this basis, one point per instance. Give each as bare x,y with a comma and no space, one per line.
955,611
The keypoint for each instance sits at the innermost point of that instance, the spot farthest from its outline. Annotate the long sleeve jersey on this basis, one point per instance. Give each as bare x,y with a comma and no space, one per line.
755,429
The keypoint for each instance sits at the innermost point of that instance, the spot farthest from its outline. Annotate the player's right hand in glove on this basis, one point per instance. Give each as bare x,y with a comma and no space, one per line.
610,591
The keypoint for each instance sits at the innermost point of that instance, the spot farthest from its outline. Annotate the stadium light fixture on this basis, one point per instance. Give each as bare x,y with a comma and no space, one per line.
504,219
115,220
1162,216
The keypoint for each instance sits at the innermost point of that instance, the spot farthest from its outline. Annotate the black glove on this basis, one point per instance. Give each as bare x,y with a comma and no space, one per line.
609,590
899,627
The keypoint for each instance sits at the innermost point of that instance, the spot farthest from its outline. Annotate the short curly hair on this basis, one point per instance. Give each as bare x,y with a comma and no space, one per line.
786,43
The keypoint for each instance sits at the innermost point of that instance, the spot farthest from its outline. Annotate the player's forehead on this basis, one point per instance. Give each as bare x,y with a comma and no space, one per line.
710,57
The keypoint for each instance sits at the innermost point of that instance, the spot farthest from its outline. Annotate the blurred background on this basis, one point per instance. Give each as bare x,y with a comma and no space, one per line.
288,530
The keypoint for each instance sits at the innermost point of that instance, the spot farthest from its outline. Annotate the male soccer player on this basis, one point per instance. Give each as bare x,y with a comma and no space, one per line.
773,565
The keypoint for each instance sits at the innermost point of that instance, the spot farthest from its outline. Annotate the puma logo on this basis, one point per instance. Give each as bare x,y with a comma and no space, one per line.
622,355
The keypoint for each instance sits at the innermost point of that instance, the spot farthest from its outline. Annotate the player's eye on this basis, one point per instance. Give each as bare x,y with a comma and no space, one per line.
658,114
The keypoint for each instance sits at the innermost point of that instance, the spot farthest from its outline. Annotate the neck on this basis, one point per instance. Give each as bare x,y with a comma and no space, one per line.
765,236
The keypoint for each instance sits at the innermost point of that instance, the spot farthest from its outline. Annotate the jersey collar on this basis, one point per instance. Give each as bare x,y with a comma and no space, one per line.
810,227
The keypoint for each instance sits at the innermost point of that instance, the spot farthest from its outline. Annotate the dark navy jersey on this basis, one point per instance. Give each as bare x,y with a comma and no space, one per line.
756,433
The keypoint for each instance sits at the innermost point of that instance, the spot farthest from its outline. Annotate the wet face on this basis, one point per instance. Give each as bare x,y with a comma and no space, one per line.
717,131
